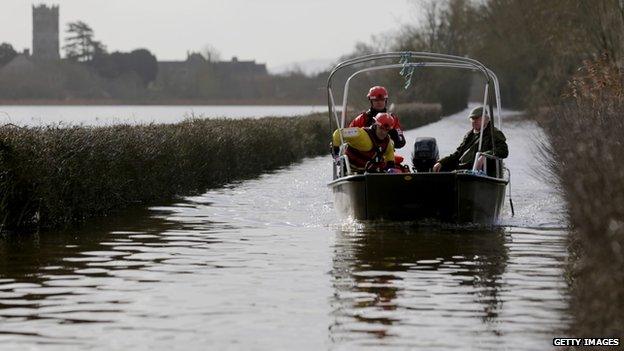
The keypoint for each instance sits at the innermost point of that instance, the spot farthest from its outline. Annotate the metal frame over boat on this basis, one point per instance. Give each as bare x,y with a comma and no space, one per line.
459,196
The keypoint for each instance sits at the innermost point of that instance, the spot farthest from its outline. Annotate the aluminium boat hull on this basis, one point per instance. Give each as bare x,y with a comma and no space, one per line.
446,197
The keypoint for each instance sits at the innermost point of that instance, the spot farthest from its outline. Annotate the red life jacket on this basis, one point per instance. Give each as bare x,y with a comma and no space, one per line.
366,119
359,159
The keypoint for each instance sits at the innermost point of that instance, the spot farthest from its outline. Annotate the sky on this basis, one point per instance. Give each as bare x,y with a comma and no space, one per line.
275,32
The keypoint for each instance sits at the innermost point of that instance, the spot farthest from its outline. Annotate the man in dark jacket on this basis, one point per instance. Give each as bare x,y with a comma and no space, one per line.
494,143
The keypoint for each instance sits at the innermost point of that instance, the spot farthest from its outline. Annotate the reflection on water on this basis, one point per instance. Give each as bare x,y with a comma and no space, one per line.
168,277
391,270
446,288
96,276
265,264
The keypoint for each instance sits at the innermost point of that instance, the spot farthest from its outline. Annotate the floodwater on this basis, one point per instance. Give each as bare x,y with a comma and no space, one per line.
266,264
107,115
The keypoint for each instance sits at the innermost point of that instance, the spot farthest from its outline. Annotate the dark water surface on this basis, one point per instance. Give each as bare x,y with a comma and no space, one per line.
266,264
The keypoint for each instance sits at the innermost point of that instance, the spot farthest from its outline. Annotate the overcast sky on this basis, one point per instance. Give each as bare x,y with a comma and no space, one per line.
275,32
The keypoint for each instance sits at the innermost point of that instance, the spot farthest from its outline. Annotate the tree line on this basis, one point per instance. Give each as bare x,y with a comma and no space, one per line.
536,47
89,71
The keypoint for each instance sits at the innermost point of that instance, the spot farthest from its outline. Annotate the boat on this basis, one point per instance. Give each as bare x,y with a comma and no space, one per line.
465,196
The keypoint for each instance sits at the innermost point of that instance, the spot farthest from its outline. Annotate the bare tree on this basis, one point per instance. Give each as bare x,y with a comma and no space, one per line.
604,23
211,53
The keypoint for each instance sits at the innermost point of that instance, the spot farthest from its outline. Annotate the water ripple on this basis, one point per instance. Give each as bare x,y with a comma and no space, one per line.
265,264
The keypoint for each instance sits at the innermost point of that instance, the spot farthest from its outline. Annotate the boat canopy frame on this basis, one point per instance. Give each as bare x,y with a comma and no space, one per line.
422,59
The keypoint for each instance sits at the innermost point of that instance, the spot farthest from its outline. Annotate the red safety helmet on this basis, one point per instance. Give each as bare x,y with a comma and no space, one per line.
384,120
377,93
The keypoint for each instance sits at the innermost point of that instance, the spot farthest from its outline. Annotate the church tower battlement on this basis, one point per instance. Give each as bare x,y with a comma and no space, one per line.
45,32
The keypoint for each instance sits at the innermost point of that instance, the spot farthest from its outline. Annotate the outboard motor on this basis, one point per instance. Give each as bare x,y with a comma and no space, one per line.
425,154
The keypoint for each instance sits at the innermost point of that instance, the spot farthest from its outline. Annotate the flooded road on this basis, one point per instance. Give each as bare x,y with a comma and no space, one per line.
266,264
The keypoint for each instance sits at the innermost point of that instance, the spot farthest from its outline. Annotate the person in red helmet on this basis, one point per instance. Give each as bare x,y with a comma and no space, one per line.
369,148
378,97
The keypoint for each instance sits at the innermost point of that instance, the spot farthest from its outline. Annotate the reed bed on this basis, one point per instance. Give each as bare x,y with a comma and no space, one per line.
587,151
52,176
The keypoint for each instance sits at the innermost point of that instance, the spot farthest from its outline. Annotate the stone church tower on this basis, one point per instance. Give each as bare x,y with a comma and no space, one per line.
46,32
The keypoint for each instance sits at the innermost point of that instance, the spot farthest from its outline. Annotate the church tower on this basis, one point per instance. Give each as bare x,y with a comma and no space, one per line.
46,32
